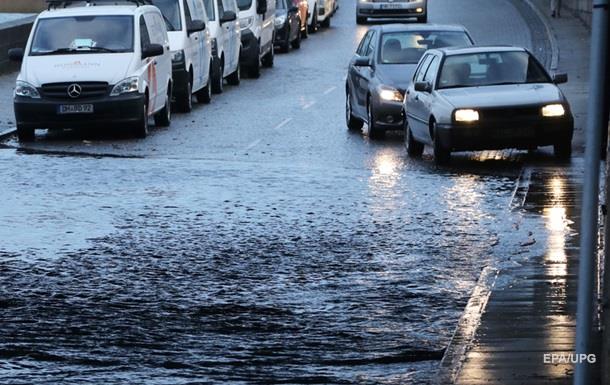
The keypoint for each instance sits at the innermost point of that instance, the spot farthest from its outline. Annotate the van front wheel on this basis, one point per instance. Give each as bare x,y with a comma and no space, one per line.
25,134
268,58
184,100
141,126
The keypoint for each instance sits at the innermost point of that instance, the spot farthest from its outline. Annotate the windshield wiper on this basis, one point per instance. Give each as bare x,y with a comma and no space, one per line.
60,51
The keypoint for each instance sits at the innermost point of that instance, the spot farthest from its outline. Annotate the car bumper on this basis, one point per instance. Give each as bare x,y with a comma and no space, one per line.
180,77
282,34
388,115
391,9
250,50
522,135
43,113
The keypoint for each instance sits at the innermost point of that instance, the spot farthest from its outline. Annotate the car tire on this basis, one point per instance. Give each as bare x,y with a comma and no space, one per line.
141,126
313,27
25,134
442,155
413,147
217,80
305,31
235,78
184,100
326,22
163,118
269,58
374,132
360,20
296,43
563,150
353,123
204,95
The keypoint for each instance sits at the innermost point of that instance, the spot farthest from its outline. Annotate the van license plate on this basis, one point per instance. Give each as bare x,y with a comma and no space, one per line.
392,6
75,109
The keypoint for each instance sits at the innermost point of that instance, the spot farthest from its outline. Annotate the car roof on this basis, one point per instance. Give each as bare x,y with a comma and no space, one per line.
419,27
97,10
450,51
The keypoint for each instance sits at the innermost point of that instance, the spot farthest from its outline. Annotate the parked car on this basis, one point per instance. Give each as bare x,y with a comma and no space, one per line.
257,22
312,19
225,36
402,9
326,10
382,69
484,98
94,66
287,26
186,22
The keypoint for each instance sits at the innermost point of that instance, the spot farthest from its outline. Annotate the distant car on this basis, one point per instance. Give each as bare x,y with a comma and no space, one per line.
326,10
287,25
484,98
382,69
392,9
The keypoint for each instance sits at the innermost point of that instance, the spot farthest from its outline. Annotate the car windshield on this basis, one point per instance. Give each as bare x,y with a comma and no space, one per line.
83,34
244,4
209,9
408,47
492,68
171,12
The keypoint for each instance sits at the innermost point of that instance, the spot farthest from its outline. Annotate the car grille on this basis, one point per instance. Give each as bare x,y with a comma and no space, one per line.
508,114
88,90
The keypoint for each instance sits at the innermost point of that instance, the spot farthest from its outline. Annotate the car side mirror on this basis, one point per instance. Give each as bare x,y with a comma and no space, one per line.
228,16
362,61
423,87
16,54
152,50
195,26
261,7
560,78
293,9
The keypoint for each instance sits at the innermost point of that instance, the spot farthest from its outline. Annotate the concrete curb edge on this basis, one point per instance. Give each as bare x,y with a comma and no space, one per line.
550,33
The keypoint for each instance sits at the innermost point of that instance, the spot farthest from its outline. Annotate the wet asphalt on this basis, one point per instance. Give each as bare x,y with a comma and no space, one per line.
255,241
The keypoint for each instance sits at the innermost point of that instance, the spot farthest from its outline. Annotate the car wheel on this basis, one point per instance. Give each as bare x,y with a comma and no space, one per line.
235,78
353,123
184,100
25,134
360,20
163,118
296,43
204,95
414,148
313,27
217,80
373,131
269,57
141,127
326,22
442,155
563,150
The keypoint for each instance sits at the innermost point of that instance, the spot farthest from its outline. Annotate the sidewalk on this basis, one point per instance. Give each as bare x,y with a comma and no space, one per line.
526,308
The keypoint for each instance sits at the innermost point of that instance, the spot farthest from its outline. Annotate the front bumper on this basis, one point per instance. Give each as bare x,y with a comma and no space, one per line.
43,113
388,115
523,134
394,9
250,51
180,76
282,34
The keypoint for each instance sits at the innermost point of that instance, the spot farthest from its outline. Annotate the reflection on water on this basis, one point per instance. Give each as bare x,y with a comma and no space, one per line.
558,227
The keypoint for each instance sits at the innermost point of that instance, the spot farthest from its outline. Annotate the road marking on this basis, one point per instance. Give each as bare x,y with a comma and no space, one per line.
253,144
308,105
331,89
284,122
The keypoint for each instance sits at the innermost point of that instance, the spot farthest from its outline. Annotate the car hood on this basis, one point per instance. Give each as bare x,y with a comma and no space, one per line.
110,68
498,96
396,75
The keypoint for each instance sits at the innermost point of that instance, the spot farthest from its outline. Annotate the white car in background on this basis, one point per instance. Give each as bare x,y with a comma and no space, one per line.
186,22
326,10
225,35
257,23
392,9
88,66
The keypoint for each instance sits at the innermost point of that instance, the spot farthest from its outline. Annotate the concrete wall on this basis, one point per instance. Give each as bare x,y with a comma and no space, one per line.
25,6
14,35
580,8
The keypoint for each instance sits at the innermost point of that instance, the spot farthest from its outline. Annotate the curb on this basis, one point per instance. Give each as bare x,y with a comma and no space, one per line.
5,134
549,31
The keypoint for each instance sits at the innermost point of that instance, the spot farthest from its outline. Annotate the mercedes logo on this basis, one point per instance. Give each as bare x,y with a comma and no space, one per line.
74,91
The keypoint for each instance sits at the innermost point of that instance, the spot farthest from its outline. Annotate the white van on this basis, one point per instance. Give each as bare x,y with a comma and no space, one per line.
226,42
257,22
191,50
94,66
326,10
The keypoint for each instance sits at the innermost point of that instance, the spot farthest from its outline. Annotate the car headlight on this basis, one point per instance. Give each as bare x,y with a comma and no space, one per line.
390,94
26,90
178,56
553,110
246,22
466,115
280,20
126,86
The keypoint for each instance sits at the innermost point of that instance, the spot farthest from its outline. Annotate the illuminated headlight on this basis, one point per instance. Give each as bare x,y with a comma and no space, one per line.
178,56
246,22
390,94
364,1
280,20
419,10
126,86
466,116
553,110
26,90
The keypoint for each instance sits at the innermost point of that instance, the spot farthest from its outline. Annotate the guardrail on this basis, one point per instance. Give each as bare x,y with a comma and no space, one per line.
14,35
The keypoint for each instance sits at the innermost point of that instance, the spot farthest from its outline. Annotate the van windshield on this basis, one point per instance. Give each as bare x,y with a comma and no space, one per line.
209,9
83,34
244,5
171,13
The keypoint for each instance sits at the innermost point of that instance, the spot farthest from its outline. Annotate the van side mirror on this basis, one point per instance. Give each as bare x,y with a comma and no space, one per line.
195,26
16,54
152,50
228,16
362,61
261,7
560,78
423,87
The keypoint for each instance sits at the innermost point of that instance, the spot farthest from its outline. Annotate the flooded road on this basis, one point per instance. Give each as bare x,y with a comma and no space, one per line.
252,243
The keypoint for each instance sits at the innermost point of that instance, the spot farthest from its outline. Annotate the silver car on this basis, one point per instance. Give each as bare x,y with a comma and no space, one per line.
392,9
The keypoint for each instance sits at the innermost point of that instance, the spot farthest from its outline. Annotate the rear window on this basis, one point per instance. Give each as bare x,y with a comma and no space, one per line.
409,46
